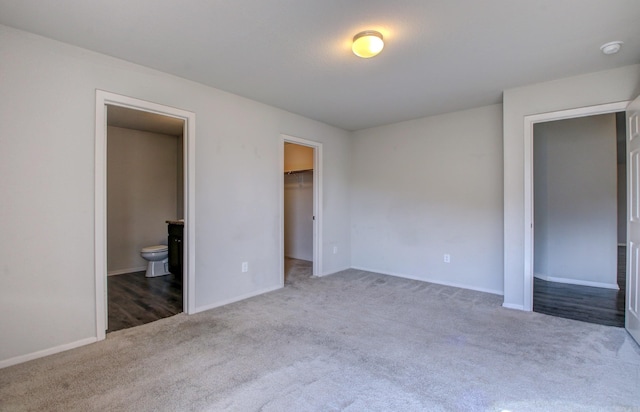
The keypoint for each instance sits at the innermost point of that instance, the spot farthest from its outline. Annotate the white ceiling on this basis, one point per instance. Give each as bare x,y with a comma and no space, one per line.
440,55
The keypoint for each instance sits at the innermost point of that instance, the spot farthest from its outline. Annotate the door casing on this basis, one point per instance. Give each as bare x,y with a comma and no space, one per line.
104,98
317,201
529,122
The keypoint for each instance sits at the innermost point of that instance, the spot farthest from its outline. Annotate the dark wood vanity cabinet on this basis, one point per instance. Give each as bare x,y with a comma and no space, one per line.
175,248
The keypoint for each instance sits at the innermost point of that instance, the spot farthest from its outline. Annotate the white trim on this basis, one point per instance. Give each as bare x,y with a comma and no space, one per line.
104,98
317,201
46,352
124,271
512,306
622,244
435,281
236,299
100,216
529,122
577,282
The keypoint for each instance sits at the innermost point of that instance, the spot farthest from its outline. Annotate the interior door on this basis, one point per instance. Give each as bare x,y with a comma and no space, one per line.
632,309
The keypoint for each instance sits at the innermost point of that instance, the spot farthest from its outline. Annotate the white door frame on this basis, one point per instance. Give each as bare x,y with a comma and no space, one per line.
317,201
529,122
103,99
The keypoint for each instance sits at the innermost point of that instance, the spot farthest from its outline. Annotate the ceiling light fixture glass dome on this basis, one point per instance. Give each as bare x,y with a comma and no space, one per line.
367,44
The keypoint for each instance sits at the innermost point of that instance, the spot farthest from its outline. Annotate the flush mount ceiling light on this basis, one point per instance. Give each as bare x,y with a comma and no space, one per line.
367,44
612,47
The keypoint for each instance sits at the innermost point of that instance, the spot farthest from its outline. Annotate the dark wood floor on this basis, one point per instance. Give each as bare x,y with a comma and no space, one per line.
135,299
588,304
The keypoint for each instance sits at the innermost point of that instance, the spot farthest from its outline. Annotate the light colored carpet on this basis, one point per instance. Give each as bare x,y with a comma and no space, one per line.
353,341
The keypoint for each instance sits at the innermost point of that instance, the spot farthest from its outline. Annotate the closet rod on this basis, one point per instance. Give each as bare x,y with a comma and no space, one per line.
293,172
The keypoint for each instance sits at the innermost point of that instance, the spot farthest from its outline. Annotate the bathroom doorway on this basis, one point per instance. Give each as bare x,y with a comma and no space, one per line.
145,201
111,113
301,193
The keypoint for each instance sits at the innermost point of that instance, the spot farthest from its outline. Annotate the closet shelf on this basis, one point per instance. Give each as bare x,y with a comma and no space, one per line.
293,172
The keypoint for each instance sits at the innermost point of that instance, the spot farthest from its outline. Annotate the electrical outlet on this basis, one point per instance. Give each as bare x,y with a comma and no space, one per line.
335,250
245,267
447,258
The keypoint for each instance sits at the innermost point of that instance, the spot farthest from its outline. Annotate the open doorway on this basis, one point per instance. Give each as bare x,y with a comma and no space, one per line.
301,193
579,183
145,217
103,101
298,211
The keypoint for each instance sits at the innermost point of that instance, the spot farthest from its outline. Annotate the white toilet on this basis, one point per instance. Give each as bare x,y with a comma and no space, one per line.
158,257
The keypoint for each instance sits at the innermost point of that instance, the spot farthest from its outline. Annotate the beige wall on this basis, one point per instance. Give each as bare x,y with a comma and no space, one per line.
142,193
297,157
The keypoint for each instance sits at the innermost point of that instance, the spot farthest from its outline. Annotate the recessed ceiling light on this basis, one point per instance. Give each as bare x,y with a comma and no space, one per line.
612,47
367,44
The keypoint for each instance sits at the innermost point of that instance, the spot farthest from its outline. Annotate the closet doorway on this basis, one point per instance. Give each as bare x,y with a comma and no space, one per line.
300,196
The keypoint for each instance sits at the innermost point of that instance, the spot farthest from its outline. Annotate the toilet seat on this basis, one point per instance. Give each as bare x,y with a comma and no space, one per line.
155,249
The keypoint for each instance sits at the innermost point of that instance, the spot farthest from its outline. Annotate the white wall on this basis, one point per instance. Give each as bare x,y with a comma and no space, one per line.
47,133
142,194
575,224
427,187
298,215
580,91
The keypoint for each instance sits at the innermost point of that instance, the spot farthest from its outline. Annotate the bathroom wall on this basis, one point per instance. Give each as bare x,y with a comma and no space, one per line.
142,193
180,178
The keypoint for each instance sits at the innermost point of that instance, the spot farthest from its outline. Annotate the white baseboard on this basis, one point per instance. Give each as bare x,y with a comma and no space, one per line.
45,352
236,299
512,306
436,281
577,282
123,271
